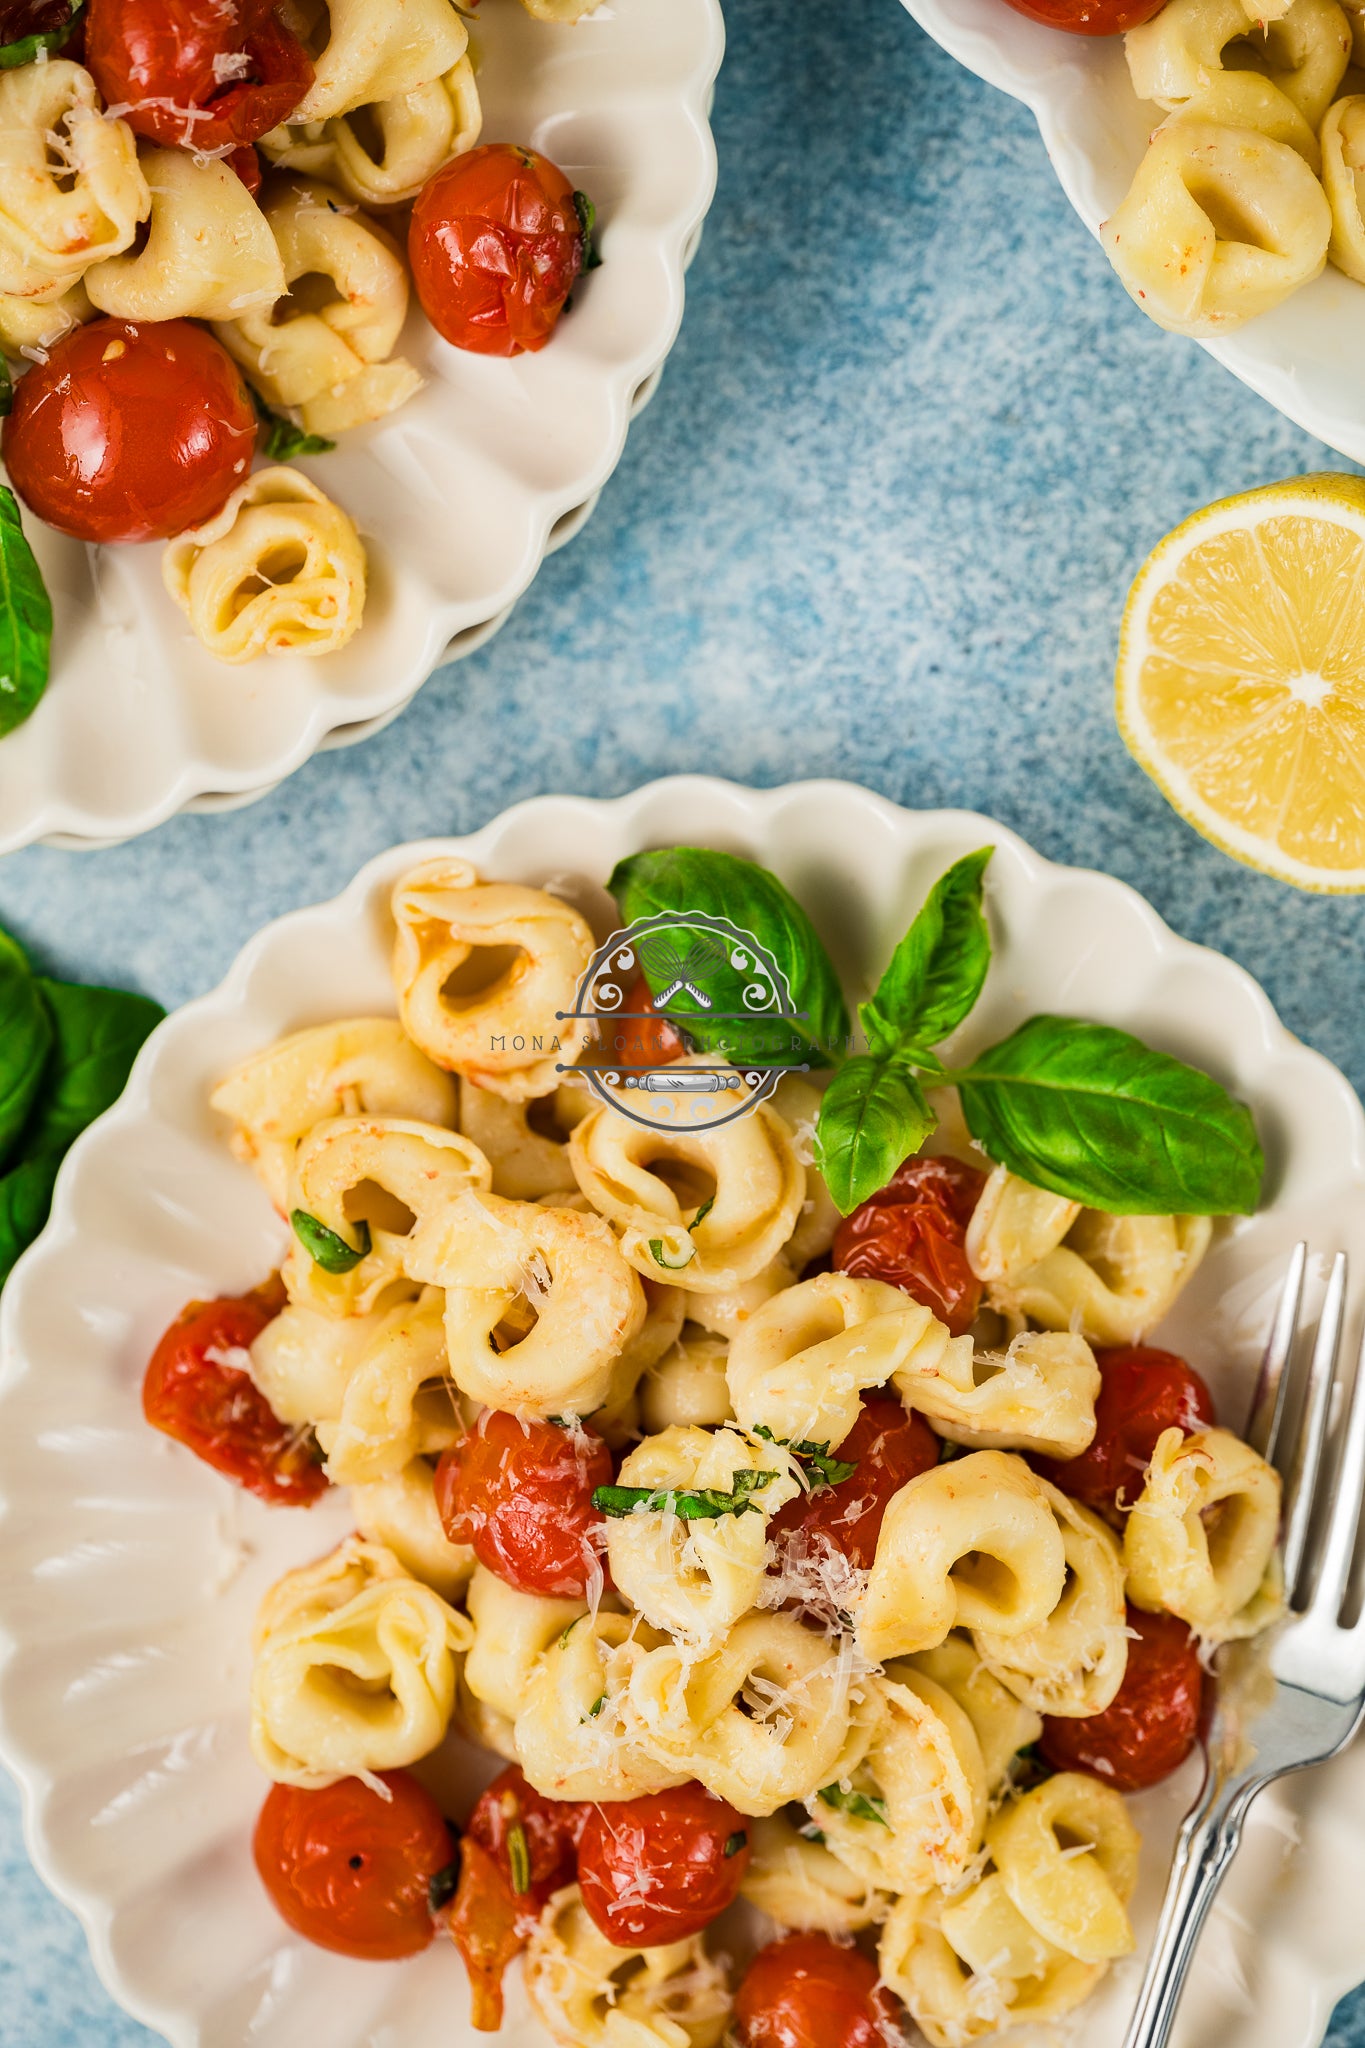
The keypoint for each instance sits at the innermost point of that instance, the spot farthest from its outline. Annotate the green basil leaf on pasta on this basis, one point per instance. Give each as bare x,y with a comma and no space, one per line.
442,1888
737,1841
872,1116
587,221
693,878
25,621
26,1035
856,1805
283,439
34,29
325,1248
662,1256
688,1503
937,971
818,1468
1092,1113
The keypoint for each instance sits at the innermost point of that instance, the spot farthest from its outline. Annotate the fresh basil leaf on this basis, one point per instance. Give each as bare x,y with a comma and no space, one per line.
25,1041
692,878
595,1709
283,440
325,1248
25,620
99,1033
827,1471
587,220
25,1199
856,1805
31,28
872,1116
737,1841
658,1251
705,1210
937,971
690,1504
442,1888
1094,1114
519,1859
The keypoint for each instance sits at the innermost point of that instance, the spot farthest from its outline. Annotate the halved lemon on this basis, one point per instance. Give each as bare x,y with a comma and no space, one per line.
1241,677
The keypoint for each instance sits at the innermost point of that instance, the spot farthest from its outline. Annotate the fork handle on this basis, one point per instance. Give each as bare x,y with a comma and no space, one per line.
1207,1844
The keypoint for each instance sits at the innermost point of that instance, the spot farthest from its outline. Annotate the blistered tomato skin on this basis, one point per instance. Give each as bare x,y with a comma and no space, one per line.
520,1493
195,1392
912,1234
130,431
196,74
890,1448
1152,1724
518,1849
640,1038
496,246
807,1992
1142,1392
661,1868
1089,17
350,1870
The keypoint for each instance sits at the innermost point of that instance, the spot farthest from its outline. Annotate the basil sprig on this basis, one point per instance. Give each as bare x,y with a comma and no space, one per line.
818,1468
324,1247
283,440
65,1052
32,28
856,1805
442,1888
688,1503
25,621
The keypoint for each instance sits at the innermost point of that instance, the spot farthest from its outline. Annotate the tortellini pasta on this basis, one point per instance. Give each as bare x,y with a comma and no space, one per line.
972,1544
303,1359
579,1733
688,1385
589,1994
325,344
415,133
528,1163
364,53
1067,1854
512,1631
1343,162
1303,47
400,1513
71,189
279,570
1200,1539
802,1885
1072,1663
970,1965
1003,1724
503,1033
380,1425
32,326
1037,1395
355,1669
209,253
363,1066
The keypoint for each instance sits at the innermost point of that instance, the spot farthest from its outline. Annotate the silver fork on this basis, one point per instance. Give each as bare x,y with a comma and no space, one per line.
1318,1665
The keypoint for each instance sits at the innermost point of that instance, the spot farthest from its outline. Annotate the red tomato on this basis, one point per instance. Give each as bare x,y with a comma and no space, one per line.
1151,1726
1142,1392
641,1040
911,1233
1089,17
890,1448
496,245
807,1992
660,1868
196,74
503,1888
246,162
521,1494
351,1870
195,1392
130,432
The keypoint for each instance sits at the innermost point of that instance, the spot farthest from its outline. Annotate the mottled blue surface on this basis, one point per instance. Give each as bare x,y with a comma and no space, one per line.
879,523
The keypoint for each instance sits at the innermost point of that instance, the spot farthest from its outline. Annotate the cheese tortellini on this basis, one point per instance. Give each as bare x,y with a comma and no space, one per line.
1200,1540
588,1994
71,189
414,132
209,253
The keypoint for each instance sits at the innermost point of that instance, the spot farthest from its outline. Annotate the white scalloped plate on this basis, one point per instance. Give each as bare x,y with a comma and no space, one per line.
1304,357
132,1571
459,496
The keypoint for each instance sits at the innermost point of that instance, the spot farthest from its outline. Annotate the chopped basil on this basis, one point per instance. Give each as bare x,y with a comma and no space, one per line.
36,28
442,1888
690,1504
587,220
325,1248
734,1843
705,1210
25,620
658,1253
595,1709
947,1452
519,1857
564,1637
825,1470
284,440
856,1805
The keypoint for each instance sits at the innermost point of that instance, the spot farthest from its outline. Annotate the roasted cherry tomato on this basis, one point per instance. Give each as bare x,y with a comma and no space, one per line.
20,19
808,1992
352,1870
1151,1725
130,431
246,162
660,1868
196,74
521,1494
911,1233
1142,1392
496,245
519,1847
889,1448
196,1392
1089,17
639,1038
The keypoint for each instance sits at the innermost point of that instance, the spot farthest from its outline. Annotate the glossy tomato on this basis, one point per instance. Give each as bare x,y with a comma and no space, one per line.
640,1038
519,1847
807,1992
351,1870
246,162
1089,17
911,1233
660,1868
196,74
1151,1725
496,246
1142,1392
521,1494
130,432
197,1389
889,1448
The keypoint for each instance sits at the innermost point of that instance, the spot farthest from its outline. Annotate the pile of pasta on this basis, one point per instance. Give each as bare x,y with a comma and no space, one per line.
1253,181
532,1249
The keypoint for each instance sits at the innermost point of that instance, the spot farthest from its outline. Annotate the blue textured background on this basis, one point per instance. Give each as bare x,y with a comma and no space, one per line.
879,523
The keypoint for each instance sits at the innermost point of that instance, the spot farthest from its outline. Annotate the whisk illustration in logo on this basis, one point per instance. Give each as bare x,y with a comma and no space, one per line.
714,986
